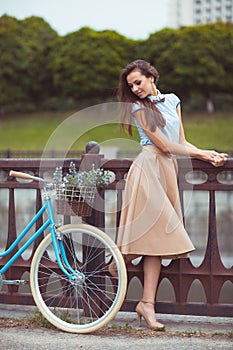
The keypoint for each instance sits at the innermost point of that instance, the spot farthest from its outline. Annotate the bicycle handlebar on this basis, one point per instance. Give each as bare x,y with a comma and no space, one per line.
21,175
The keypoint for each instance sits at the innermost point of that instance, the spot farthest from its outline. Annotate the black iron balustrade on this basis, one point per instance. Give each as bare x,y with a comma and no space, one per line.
212,274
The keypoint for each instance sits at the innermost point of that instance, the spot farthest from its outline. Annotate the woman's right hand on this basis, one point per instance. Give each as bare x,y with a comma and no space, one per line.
215,158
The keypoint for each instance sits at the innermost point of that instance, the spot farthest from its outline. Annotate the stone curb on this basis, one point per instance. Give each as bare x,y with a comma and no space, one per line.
173,323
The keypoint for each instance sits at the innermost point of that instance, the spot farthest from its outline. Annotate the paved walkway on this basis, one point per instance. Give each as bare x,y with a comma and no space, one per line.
182,332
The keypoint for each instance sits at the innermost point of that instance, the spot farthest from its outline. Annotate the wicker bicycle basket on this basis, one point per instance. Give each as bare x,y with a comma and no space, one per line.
75,202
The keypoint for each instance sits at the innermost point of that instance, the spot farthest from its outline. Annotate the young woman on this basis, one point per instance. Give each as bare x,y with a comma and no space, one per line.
151,223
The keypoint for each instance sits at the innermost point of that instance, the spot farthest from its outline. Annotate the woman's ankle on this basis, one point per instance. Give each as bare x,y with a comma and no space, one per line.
145,301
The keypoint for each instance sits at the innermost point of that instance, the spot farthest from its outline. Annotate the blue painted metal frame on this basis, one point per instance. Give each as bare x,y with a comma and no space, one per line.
57,247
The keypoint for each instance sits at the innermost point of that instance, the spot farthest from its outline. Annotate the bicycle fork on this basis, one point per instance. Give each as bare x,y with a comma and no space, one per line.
75,276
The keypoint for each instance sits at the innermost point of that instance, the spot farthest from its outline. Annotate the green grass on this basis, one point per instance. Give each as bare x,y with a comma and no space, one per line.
32,131
210,131
28,131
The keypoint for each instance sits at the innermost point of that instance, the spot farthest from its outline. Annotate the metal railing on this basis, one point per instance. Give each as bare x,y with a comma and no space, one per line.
212,275
9,153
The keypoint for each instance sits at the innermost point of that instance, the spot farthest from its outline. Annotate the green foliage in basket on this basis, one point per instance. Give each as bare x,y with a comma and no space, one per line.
75,179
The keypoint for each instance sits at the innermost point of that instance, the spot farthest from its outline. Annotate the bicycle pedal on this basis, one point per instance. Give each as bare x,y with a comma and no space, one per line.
16,282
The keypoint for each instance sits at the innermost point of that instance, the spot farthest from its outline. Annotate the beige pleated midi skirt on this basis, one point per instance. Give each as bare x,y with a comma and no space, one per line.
151,221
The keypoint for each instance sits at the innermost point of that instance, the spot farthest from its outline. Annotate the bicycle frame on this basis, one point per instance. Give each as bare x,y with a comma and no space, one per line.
70,281
57,242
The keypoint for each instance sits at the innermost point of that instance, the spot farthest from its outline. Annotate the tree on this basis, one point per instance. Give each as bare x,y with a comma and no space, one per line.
161,50
10,60
87,63
24,75
196,59
37,66
38,38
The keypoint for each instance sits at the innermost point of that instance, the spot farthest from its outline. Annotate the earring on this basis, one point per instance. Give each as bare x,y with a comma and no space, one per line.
153,87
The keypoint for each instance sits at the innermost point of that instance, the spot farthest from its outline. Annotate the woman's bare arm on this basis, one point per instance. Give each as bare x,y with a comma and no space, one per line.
184,148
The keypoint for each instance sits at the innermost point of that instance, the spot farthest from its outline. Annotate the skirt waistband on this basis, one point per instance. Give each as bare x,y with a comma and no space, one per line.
156,150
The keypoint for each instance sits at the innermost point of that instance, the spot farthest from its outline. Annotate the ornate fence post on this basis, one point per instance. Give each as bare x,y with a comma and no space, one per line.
91,157
96,219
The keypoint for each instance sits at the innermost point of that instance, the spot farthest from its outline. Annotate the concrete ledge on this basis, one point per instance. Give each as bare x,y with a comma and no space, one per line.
173,323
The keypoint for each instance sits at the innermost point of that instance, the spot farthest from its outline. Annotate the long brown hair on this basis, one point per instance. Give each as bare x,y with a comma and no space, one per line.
153,116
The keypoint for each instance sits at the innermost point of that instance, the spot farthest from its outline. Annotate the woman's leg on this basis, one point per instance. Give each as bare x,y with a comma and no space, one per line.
145,308
112,266
152,268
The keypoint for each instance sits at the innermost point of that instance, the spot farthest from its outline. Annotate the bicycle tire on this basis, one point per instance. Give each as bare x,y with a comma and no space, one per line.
79,307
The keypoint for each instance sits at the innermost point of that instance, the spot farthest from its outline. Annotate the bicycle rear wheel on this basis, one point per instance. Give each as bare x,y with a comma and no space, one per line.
92,300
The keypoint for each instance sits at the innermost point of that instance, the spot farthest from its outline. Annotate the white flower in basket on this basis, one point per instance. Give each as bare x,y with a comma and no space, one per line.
79,187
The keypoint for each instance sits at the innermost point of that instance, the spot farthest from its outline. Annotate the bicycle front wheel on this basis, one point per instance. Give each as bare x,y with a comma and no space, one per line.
91,300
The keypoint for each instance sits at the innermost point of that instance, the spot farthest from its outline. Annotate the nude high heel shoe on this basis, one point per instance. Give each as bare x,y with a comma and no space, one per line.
151,323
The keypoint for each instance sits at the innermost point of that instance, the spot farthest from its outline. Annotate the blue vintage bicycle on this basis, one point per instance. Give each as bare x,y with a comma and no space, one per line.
69,276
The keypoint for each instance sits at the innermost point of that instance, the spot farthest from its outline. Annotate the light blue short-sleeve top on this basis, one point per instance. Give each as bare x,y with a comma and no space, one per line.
168,109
